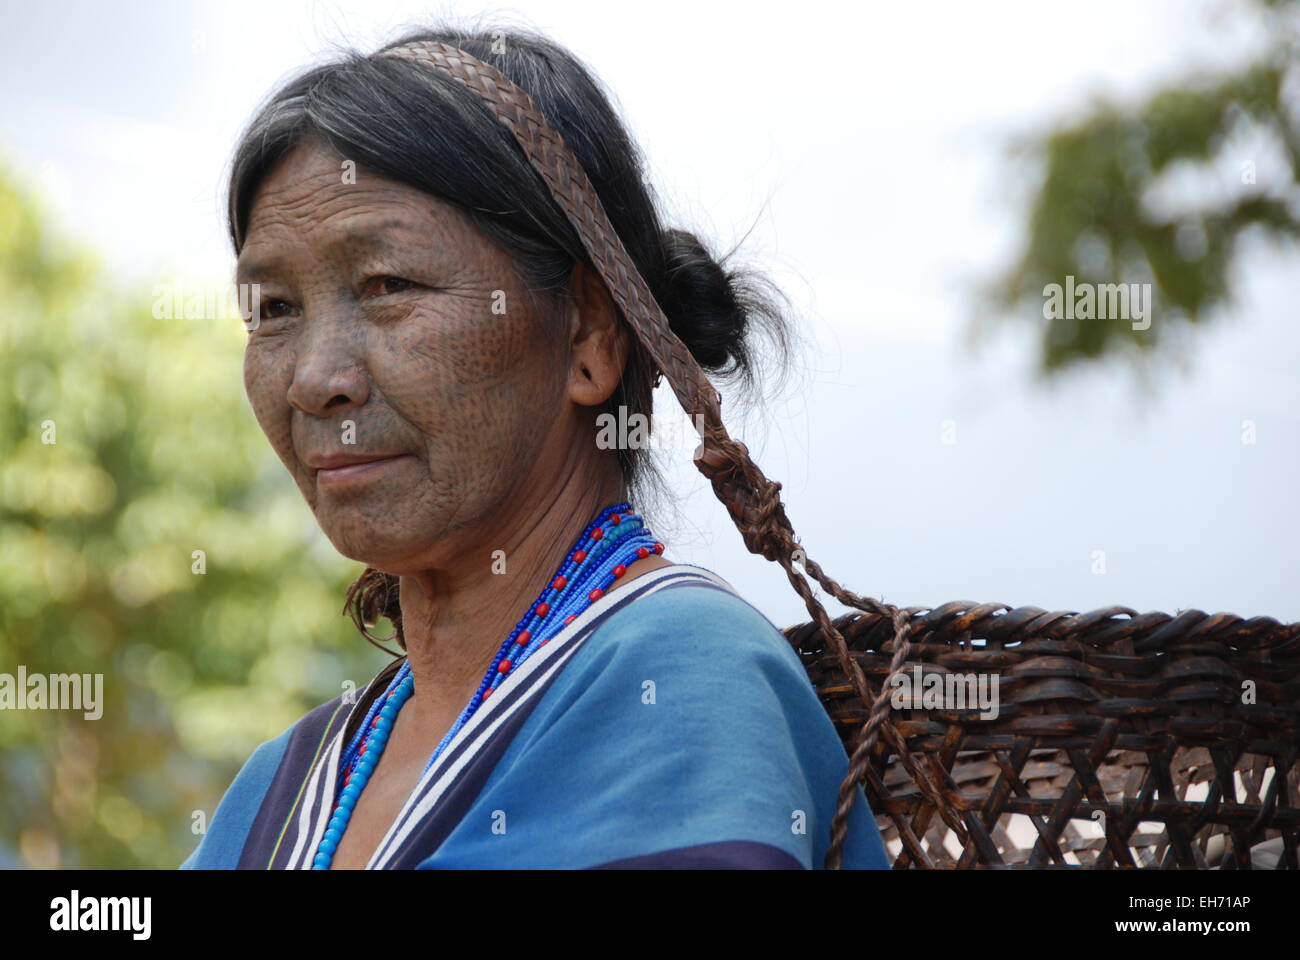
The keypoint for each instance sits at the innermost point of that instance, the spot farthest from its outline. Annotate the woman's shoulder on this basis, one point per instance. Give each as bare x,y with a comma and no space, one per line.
684,720
689,614
690,633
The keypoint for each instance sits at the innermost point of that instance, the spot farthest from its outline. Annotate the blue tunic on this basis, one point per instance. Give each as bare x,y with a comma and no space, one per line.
672,727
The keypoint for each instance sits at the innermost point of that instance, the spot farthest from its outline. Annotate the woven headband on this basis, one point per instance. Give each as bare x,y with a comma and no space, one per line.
564,175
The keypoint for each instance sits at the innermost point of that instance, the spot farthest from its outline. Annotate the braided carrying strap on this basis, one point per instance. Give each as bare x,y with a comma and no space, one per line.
752,500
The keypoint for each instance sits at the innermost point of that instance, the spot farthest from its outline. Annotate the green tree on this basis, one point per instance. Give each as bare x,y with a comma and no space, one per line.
1096,214
126,445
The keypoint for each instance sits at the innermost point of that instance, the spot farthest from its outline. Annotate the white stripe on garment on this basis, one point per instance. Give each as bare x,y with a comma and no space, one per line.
405,825
319,790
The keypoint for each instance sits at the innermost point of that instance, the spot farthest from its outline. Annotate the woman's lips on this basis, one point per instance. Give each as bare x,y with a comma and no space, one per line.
337,470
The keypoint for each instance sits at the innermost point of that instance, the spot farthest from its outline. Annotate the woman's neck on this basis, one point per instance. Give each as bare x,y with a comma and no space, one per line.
456,616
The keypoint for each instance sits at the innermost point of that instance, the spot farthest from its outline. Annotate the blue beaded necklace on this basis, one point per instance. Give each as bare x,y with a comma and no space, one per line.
611,543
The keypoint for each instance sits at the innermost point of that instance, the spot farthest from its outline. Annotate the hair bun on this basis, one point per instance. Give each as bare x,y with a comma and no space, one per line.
717,309
701,303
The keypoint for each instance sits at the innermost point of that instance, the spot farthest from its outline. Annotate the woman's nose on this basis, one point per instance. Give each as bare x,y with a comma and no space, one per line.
328,376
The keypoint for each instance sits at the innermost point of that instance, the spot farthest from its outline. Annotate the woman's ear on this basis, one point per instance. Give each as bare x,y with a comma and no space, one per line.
598,338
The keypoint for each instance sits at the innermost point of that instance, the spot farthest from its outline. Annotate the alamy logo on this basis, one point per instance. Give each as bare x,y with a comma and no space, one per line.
636,431
1090,301
102,913
55,691
945,691
181,301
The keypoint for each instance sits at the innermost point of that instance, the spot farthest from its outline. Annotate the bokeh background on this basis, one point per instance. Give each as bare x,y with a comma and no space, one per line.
912,176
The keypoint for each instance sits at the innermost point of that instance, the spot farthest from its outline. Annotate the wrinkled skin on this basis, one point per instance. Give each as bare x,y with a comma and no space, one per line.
393,331
376,308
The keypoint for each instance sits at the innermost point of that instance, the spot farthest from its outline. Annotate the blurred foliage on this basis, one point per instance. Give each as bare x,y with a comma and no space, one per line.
1111,205
156,455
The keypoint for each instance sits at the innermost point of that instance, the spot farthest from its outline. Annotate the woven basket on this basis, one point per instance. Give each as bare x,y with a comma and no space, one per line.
1121,740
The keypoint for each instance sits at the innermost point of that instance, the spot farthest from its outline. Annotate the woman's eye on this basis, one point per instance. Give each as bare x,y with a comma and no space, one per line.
384,286
275,308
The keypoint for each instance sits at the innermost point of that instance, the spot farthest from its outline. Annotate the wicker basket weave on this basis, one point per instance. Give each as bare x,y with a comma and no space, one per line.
1121,740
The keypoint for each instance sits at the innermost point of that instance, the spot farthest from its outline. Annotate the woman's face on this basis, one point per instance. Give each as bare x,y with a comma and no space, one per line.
397,366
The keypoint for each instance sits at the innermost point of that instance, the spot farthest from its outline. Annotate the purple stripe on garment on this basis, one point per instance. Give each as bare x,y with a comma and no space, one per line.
312,734
727,855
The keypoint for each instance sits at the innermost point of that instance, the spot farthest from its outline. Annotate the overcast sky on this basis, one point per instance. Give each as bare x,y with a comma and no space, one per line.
865,148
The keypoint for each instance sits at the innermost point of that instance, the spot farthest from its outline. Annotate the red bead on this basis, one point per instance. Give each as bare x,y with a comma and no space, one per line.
504,666
560,582
568,620
597,533
642,552
580,556
523,638
543,609
619,571
595,595
616,519
544,643
487,693
659,548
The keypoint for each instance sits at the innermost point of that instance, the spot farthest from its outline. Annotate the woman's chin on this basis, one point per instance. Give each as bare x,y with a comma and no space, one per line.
390,551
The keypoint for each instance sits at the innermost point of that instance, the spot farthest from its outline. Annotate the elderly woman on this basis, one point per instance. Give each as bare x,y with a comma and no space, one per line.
460,269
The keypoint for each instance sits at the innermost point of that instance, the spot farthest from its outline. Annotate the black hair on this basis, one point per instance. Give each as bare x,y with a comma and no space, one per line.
411,124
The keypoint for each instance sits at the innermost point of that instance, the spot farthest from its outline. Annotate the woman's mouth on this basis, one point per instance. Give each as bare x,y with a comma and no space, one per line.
338,469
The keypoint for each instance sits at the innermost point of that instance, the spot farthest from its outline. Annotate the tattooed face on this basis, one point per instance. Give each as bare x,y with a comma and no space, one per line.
396,365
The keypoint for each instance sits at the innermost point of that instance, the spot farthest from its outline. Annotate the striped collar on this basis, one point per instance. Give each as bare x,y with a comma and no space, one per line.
409,837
